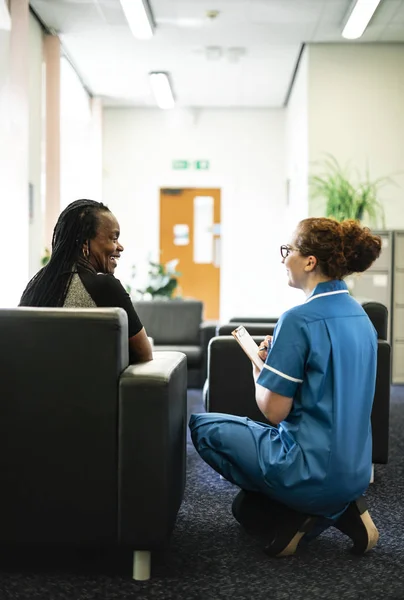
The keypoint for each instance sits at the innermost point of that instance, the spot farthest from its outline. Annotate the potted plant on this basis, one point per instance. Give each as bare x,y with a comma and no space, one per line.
347,195
163,280
46,257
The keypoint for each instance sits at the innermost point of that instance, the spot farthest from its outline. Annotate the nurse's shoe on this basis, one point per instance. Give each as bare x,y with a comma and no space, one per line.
289,534
274,522
256,513
357,523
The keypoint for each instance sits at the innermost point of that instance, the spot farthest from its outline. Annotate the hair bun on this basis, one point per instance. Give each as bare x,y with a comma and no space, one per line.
361,246
341,248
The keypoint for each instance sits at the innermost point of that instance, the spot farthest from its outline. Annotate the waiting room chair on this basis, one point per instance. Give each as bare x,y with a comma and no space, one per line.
178,325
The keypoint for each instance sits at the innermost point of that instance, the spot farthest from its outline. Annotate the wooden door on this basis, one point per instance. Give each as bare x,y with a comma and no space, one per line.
190,232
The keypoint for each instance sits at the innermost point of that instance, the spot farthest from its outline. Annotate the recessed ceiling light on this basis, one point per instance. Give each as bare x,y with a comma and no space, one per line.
140,18
359,18
160,84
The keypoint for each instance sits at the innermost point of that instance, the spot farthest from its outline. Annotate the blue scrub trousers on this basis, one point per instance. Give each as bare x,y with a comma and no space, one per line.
230,445
234,447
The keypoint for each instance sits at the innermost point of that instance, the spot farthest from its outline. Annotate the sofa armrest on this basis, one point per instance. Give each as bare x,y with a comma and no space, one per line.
244,320
254,329
152,449
231,388
381,404
207,332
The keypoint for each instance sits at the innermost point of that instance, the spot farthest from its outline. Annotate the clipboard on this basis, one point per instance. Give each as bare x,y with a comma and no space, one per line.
248,345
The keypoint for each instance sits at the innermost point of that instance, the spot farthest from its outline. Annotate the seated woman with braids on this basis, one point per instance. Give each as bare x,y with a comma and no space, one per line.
80,273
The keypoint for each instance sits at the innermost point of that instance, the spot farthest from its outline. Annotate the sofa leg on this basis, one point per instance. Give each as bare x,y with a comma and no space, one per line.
141,565
372,474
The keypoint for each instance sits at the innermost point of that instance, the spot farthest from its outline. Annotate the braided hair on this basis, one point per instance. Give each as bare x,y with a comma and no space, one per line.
77,224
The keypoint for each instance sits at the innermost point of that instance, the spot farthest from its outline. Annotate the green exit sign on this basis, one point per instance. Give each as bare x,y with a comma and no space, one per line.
181,164
198,165
201,165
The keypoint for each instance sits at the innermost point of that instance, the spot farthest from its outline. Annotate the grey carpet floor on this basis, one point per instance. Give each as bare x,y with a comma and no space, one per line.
211,558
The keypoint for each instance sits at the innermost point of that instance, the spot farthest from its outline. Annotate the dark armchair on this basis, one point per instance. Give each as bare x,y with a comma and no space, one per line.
92,450
178,325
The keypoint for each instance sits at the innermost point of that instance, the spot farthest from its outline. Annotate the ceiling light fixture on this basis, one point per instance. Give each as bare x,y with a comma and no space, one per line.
5,19
160,84
359,18
140,18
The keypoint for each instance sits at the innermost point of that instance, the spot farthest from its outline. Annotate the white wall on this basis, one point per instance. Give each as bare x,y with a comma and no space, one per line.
36,248
5,115
14,60
297,145
356,113
20,152
246,150
78,131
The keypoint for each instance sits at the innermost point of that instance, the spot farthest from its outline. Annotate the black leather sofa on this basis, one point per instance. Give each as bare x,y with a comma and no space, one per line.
92,450
230,388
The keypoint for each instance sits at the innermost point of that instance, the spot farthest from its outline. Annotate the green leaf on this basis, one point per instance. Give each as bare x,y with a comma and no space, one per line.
345,194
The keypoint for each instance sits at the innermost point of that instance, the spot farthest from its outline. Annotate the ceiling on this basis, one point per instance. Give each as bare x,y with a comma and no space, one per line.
256,45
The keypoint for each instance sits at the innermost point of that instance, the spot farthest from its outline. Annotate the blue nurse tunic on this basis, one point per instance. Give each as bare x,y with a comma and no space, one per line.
319,458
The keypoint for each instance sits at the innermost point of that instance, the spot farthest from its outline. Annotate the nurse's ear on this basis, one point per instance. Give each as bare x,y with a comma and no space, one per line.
311,263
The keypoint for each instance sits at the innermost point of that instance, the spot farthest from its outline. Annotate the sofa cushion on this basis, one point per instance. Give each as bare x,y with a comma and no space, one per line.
171,322
193,353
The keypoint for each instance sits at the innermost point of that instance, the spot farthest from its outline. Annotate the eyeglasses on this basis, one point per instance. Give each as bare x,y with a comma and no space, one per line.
286,249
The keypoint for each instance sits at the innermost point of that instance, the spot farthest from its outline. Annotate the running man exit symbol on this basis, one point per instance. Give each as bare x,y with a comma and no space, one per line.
201,165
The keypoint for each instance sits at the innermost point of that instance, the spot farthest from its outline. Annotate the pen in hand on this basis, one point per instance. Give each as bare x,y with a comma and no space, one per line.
263,347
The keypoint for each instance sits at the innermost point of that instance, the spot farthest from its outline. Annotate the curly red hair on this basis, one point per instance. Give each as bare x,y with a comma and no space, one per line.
341,248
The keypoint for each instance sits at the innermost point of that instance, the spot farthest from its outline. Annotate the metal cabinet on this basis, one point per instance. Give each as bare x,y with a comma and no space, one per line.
397,341
384,282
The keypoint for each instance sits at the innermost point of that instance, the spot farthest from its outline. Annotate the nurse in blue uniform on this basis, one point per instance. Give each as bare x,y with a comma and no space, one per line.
309,468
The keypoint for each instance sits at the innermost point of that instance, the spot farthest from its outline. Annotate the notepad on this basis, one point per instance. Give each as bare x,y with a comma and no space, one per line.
248,345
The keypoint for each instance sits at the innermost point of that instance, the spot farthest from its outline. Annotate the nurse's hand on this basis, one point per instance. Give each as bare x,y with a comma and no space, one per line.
264,347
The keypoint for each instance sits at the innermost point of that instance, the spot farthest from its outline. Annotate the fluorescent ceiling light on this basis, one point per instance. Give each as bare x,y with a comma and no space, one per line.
139,16
359,18
5,19
162,91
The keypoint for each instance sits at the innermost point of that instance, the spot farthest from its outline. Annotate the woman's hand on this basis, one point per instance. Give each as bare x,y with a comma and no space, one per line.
140,349
264,347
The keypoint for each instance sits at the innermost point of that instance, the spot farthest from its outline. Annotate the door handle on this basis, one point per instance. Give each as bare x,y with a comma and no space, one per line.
216,251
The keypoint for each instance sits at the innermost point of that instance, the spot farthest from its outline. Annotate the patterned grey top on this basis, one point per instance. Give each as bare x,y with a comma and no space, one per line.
77,295
92,290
